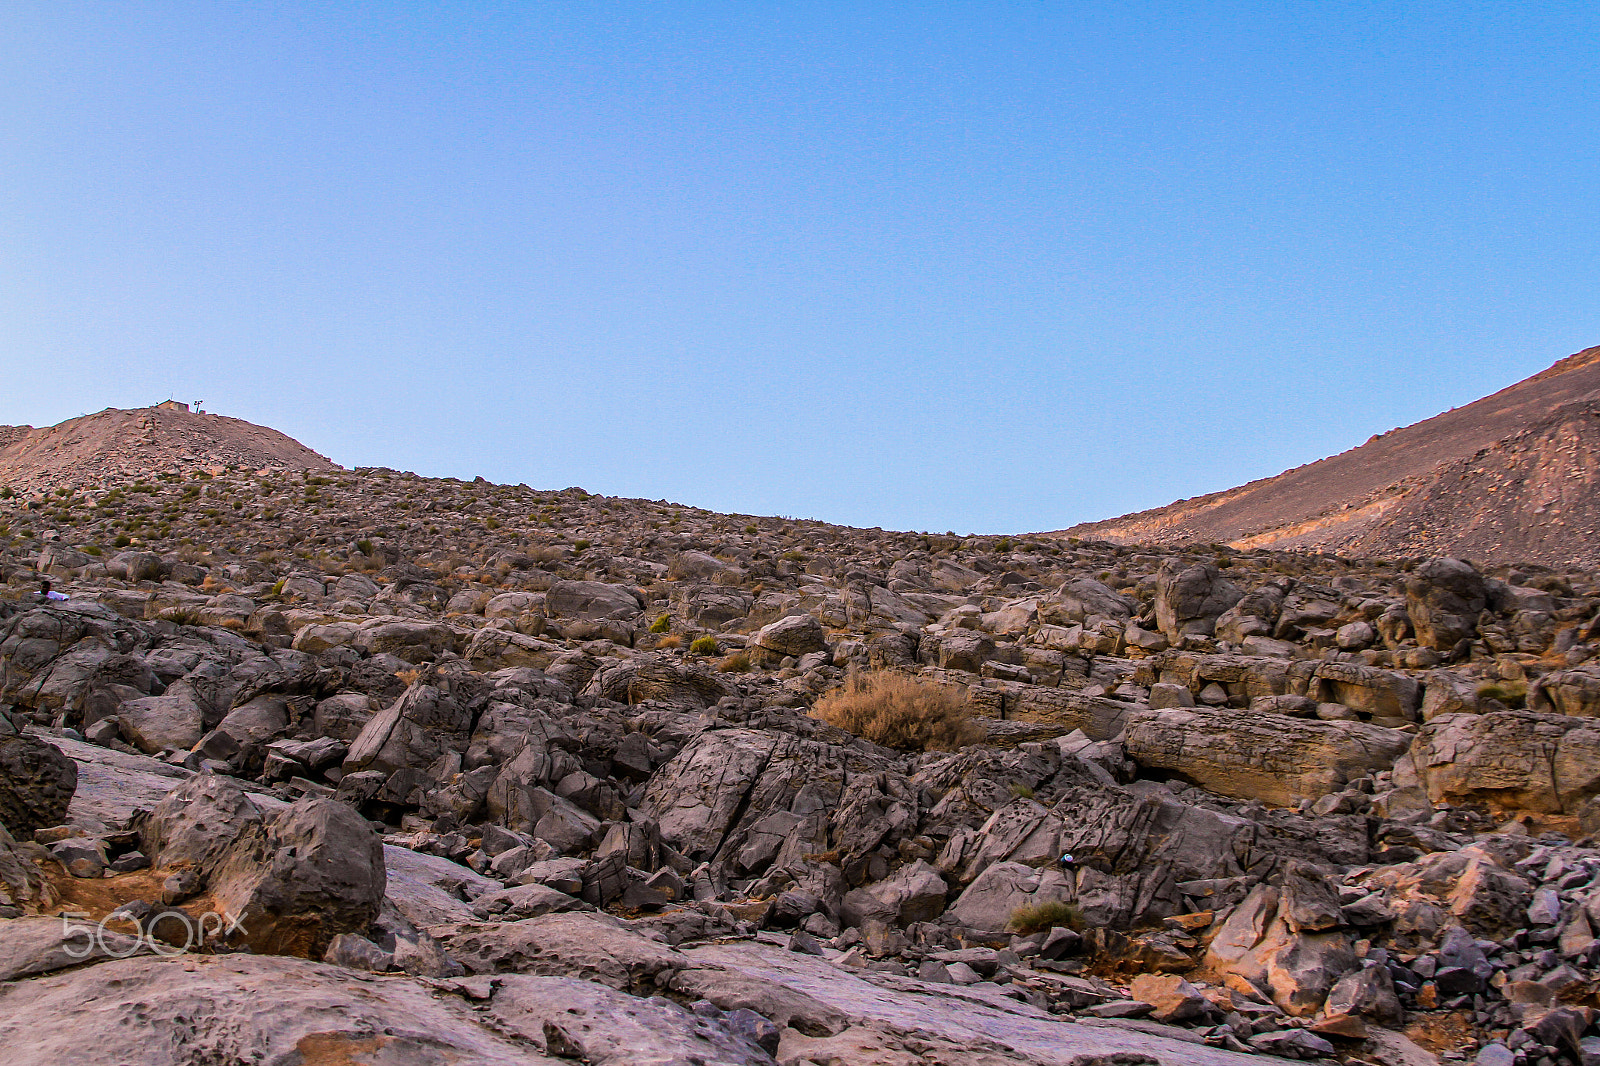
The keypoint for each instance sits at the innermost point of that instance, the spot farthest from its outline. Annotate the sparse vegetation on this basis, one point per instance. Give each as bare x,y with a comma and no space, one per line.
1039,917
662,624
1511,693
706,645
671,640
899,711
737,663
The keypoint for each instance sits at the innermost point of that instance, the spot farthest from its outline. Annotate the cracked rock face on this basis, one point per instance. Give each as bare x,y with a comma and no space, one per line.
36,784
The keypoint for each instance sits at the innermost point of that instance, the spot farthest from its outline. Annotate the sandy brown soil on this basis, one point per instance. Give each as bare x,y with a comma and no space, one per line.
113,445
1510,476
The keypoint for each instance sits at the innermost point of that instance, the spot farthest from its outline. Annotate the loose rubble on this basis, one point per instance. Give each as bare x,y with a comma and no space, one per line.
530,776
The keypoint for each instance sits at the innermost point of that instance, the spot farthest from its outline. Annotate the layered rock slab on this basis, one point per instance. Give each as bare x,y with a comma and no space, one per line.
1273,758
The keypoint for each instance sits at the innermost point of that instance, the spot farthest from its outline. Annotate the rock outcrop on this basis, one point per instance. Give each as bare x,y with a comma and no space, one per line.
36,784
486,773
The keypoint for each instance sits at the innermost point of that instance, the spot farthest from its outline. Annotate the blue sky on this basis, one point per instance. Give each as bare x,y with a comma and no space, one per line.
988,267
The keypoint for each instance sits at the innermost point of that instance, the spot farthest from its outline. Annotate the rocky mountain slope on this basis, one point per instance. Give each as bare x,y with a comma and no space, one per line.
453,771
1456,483
115,446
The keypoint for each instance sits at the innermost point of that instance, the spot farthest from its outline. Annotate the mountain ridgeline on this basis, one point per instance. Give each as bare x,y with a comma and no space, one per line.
1513,477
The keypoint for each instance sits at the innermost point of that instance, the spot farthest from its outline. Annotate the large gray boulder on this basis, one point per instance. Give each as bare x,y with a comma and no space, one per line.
312,872
592,600
796,635
170,722
316,639
1255,615
1368,993
411,598
914,893
695,566
197,824
36,784
514,605
1081,598
696,797
962,649
562,824
228,611
344,715
493,649
1368,690
1132,849
413,640
293,879
424,723
660,680
354,587
65,659
1444,598
989,902
135,566
712,606
1189,601
431,890
1258,944
730,794
256,721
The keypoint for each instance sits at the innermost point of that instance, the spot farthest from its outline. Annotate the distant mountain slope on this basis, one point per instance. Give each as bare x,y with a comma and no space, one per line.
114,444
1453,483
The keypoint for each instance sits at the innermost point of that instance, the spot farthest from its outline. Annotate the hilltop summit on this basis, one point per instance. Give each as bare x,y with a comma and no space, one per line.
116,445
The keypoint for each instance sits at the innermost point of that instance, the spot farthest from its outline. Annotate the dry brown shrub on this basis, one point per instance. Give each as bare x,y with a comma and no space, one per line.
671,640
737,663
900,711
1039,917
408,677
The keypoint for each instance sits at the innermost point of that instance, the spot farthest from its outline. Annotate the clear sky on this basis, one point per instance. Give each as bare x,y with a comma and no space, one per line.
989,267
